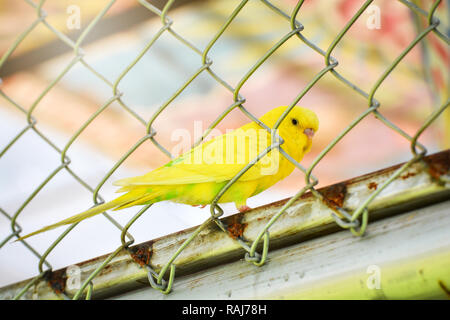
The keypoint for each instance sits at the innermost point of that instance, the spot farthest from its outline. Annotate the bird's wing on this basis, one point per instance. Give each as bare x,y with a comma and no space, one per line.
214,161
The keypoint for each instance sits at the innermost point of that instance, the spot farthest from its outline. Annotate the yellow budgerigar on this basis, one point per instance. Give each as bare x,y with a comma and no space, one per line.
196,177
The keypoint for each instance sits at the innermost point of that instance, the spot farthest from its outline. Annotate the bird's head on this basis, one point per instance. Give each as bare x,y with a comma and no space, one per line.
297,129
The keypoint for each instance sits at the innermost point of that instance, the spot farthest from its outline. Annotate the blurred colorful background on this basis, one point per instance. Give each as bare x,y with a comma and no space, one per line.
411,92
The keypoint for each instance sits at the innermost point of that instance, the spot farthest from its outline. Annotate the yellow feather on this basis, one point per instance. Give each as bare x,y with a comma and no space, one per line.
198,175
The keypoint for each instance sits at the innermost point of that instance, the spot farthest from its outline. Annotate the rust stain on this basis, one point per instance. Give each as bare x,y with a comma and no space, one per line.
438,164
408,175
57,280
107,269
334,195
142,253
235,227
372,186
444,287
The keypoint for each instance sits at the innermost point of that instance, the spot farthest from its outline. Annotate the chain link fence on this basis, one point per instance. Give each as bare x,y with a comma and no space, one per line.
163,280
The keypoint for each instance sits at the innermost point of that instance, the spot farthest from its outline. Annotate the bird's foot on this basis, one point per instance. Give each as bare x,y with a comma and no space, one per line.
244,208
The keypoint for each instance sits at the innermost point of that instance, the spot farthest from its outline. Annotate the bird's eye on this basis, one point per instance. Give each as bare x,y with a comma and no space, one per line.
294,122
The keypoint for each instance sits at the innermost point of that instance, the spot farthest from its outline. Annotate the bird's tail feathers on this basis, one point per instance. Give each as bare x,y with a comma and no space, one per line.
134,197
142,200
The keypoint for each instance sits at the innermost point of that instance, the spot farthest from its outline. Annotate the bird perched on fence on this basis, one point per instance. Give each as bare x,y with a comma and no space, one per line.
197,176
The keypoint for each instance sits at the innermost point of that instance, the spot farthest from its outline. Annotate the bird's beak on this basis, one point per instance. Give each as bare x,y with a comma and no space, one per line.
309,133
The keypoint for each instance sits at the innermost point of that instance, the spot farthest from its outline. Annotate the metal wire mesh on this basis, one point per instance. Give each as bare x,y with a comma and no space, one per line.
348,220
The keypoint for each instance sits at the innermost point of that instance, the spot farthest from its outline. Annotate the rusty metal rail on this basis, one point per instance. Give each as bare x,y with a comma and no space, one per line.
406,256
423,183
